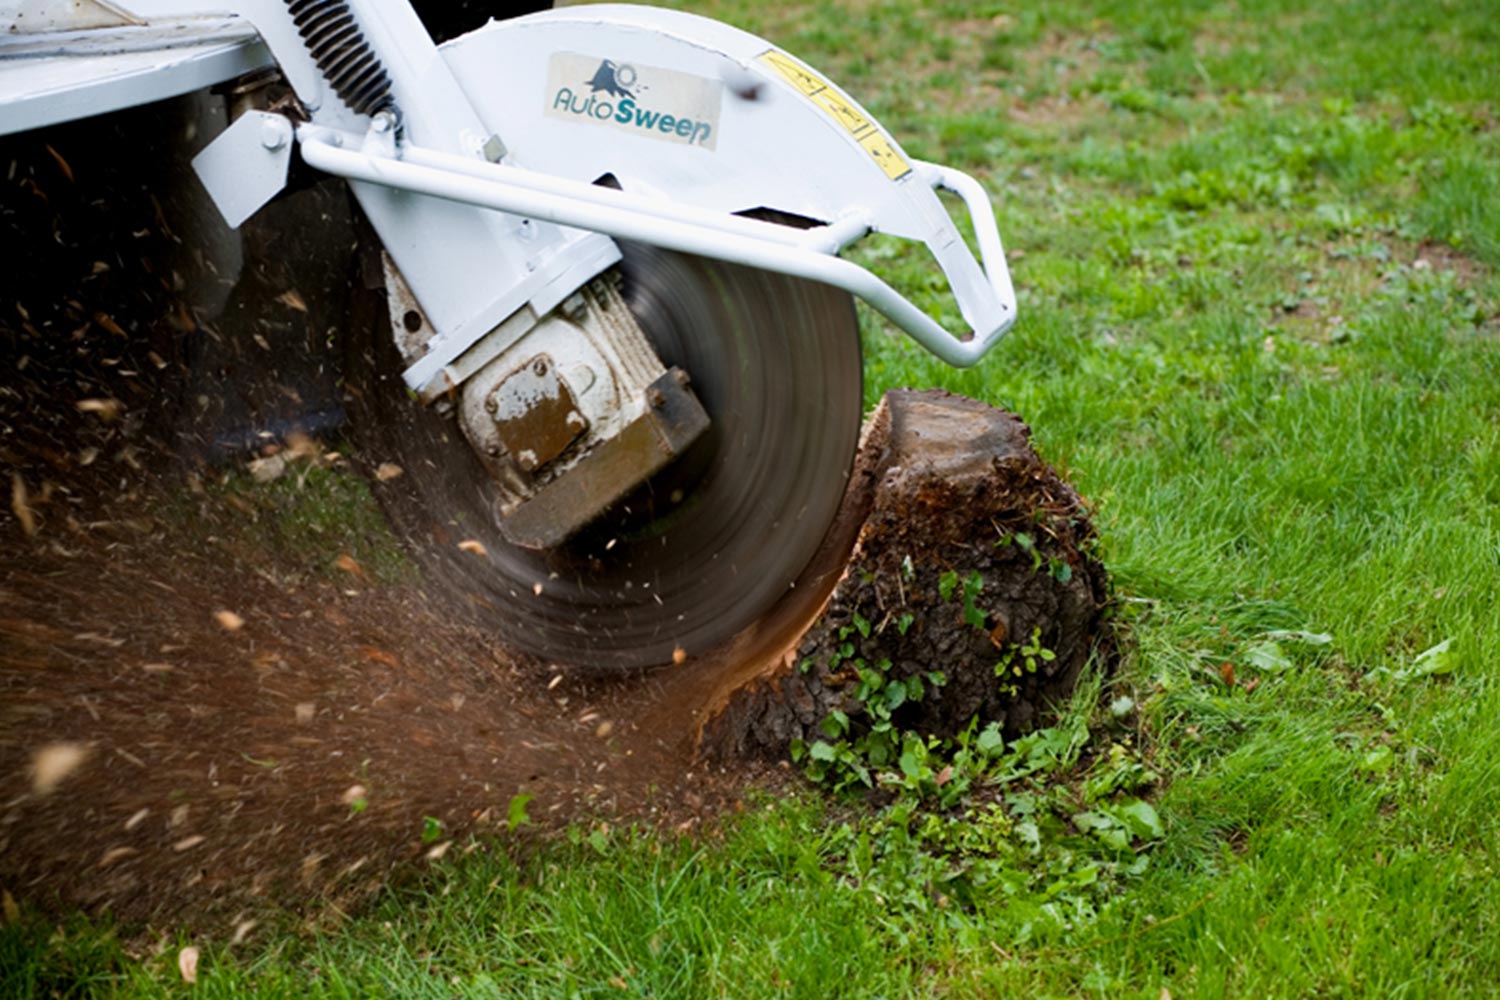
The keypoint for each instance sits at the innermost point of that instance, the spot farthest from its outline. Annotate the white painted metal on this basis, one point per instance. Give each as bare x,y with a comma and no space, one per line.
774,148
631,222
26,17
785,138
246,164
469,270
60,76
718,122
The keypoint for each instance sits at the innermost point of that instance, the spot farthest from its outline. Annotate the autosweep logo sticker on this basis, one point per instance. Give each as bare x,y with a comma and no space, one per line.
647,101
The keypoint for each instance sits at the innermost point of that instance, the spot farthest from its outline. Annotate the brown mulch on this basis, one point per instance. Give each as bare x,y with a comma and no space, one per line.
192,720
238,739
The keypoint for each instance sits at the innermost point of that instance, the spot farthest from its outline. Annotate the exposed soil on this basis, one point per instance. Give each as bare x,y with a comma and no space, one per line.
242,715
1442,257
213,694
294,757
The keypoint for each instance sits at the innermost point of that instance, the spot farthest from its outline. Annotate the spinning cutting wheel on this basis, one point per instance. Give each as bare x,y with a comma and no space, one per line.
711,545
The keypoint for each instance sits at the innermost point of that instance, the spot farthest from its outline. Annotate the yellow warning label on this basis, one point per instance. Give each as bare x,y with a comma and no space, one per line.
799,76
880,148
843,111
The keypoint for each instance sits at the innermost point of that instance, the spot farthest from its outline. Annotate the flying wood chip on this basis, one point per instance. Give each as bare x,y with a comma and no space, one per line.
107,321
349,564
115,854
292,299
20,505
187,964
106,409
301,446
470,545
229,621
62,164
52,764
379,656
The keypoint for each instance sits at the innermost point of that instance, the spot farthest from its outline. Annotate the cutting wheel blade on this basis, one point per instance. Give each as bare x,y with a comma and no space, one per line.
710,547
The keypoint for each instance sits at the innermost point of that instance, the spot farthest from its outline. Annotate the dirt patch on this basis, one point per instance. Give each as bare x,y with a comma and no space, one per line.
1059,112
218,693
248,740
1442,257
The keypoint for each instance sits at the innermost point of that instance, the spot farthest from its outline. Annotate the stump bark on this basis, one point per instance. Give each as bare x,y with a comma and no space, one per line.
973,560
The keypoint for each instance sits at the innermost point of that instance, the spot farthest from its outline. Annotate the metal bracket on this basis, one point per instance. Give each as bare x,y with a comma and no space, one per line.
672,421
246,164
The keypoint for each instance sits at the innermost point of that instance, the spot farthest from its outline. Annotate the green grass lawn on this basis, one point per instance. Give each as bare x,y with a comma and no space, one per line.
1256,247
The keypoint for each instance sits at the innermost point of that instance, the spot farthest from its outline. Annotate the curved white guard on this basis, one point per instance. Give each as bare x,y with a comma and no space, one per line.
699,120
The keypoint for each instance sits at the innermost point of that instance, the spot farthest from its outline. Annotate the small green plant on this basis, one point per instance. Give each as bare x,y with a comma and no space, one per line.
973,586
1025,543
863,753
1024,658
516,815
978,819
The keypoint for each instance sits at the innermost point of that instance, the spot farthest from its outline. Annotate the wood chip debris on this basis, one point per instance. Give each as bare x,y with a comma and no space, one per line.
20,504
292,299
52,764
187,964
266,470
115,854
104,409
107,322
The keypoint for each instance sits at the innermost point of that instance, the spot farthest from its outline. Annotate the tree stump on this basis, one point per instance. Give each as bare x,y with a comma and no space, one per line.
972,582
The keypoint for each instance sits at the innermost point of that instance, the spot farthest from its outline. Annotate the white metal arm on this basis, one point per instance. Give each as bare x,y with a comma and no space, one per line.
986,297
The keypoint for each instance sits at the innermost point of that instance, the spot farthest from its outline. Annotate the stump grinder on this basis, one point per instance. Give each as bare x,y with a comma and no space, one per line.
618,350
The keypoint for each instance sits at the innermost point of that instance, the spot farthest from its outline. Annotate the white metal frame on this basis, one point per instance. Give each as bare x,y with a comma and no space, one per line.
764,245
544,230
